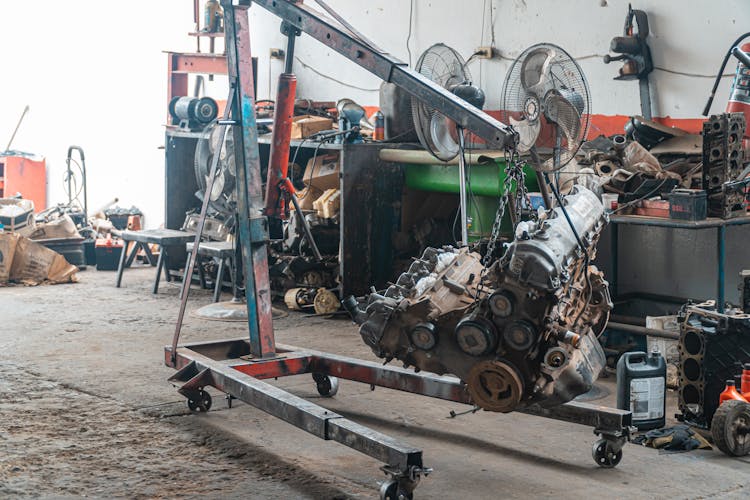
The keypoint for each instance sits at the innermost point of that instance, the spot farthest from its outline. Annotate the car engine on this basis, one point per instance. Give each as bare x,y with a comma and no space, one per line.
521,331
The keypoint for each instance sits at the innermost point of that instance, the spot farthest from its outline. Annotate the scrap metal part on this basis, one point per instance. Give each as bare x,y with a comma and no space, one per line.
522,331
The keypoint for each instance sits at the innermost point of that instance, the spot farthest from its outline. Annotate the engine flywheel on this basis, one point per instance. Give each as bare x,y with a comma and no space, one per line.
495,386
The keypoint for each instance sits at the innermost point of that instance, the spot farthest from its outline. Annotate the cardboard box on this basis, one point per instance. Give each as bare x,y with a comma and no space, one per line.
306,125
319,176
27,262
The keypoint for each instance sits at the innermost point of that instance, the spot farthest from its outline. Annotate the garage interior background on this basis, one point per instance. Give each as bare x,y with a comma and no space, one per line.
121,70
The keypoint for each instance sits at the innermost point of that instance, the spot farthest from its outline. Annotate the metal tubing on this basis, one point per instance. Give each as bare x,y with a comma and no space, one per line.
249,182
299,412
642,330
193,255
462,189
721,250
278,164
392,70
306,229
83,180
15,130
645,91
614,250
544,189
295,361
289,59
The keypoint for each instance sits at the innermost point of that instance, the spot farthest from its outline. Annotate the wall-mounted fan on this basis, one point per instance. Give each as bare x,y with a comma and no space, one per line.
444,66
546,99
222,192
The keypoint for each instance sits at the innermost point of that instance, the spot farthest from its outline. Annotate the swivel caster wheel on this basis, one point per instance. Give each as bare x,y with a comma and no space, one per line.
390,490
200,402
327,386
606,454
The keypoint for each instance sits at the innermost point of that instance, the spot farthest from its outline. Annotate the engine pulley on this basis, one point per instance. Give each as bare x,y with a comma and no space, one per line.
476,335
423,336
495,386
519,335
501,304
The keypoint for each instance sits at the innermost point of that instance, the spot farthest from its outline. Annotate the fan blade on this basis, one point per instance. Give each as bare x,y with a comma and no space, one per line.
564,114
535,70
446,146
527,133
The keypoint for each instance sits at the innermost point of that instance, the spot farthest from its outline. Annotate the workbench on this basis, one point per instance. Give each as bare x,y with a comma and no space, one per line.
719,225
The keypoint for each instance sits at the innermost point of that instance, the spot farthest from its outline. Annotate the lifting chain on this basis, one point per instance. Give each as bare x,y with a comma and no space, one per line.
513,173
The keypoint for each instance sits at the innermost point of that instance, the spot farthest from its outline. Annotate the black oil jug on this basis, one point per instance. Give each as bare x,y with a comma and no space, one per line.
642,388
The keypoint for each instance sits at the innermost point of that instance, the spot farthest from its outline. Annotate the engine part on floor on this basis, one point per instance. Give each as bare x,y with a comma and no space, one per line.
730,428
326,302
193,113
642,388
723,157
546,98
635,54
713,348
522,331
321,300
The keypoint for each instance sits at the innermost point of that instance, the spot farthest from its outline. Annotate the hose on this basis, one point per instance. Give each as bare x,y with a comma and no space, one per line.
721,72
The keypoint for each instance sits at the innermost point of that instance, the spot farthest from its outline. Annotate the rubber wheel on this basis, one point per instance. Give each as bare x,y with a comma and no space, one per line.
389,490
604,454
730,428
201,403
327,386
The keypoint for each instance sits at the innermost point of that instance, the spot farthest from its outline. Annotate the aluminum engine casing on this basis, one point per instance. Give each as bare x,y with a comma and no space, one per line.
528,336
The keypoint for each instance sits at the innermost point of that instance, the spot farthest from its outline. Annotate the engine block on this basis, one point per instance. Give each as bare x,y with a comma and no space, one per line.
521,331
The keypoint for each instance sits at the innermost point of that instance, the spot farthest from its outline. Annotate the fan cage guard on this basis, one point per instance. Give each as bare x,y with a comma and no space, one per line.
437,133
565,78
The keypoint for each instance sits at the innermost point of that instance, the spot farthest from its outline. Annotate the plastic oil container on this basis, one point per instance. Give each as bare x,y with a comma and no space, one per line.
642,388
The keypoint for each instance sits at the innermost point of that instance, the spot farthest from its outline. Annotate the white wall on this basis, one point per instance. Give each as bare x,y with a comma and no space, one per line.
686,35
95,75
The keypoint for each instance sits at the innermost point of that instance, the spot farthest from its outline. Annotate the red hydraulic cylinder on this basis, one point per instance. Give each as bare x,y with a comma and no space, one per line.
278,164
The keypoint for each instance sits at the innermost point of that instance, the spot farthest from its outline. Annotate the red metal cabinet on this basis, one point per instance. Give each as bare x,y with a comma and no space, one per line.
28,176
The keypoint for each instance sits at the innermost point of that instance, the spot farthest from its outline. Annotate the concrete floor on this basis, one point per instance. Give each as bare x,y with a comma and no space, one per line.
86,410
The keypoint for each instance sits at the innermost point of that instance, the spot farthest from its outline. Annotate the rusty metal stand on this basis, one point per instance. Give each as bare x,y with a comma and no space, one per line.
229,366
239,367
